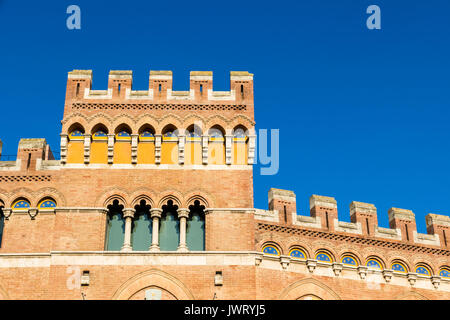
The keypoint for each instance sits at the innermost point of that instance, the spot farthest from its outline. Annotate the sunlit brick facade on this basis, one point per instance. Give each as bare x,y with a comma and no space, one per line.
152,198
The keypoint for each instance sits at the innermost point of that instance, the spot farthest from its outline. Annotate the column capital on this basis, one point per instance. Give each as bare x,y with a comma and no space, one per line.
155,212
128,212
7,212
183,213
33,213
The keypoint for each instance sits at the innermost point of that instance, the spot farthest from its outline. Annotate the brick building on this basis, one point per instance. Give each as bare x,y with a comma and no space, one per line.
152,198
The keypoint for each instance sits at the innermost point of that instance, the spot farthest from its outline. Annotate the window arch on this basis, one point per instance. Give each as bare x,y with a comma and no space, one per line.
146,145
99,145
169,230
324,256
298,253
216,146
399,266
195,228
349,260
193,147
271,249
47,203
169,145
374,263
21,204
115,227
75,146
240,145
141,231
423,270
122,145
444,272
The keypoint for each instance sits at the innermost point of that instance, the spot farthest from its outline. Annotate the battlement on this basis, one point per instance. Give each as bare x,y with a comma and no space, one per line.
363,216
79,87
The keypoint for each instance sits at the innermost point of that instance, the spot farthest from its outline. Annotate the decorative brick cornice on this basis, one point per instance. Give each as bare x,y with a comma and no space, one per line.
352,239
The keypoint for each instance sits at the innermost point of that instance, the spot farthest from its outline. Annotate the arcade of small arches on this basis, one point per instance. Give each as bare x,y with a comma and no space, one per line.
351,260
22,204
144,228
172,145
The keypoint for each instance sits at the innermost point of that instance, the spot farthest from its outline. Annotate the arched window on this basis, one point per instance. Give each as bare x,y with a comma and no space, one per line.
240,145
444,272
271,249
75,147
324,256
2,222
423,270
122,145
195,228
193,147
21,204
141,234
146,145
115,229
216,146
374,263
47,203
399,267
169,229
298,254
349,260
169,145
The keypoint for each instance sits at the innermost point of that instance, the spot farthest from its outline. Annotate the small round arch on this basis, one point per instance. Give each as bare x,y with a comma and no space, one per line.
47,203
323,255
444,272
21,204
349,259
399,266
271,248
375,263
298,253
423,269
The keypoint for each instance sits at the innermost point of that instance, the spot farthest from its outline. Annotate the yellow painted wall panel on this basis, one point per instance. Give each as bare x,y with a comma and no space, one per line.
216,153
240,153
169,153
193,153
146,153
99,152
75,152
122,152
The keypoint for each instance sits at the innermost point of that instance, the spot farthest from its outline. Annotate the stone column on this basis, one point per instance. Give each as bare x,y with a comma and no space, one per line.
251,149
158,138
128,214
181,142
64,141
156,215
134,148
205,141
110,148
183,214
228,146
87,148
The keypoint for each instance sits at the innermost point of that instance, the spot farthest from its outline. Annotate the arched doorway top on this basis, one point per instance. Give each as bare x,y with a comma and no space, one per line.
306,287
153,278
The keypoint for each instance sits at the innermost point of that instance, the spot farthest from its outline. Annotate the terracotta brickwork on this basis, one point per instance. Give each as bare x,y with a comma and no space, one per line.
56,214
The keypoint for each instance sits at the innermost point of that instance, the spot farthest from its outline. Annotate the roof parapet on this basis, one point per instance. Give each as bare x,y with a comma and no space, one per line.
437,219
362,207
404,214
322,201
241,76
120,74
286,195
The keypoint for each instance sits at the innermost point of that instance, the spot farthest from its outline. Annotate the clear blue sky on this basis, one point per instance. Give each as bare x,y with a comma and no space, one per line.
367,111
